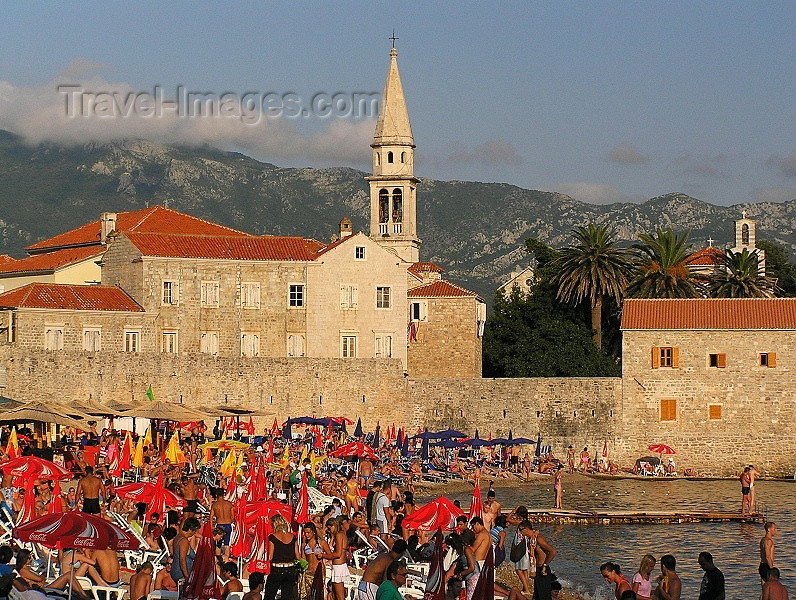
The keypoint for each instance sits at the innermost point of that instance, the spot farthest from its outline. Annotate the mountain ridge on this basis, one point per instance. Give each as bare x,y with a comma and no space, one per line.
476,231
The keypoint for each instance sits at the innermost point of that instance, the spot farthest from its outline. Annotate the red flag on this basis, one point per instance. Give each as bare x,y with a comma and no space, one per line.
605,448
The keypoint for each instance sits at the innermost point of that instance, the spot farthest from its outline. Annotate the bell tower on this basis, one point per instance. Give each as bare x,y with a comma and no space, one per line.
746,239
393,185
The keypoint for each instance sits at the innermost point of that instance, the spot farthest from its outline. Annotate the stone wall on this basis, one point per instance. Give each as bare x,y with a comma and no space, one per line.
756,404
447,339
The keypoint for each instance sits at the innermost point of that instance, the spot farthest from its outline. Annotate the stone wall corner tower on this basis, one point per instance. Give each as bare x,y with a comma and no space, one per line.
393,186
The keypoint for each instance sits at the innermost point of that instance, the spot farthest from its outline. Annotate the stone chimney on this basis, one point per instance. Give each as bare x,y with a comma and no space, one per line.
346,227
108,222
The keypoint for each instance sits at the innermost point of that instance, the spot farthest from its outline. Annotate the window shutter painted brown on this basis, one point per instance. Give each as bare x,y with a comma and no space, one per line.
772,359
721,361
668,409
675,357
714,412
656,357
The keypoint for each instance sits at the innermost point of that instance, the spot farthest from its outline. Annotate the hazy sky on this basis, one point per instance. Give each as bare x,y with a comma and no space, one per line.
604,101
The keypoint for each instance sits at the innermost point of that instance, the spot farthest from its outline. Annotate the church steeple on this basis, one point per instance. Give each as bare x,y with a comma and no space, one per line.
393,186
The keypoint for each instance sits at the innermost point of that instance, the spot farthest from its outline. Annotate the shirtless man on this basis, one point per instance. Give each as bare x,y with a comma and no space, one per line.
772,588
544,554
340,572
746,491
491,510
365,473
571,459
482,545
256,585
753,474
229,571
669,584
191,494
106,572
373,576
90,488
141,581
222,513
767,550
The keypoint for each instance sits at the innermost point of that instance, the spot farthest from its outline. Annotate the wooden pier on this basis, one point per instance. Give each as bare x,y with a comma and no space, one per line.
602,516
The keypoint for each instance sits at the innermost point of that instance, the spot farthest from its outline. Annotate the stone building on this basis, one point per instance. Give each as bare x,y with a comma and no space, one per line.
214,290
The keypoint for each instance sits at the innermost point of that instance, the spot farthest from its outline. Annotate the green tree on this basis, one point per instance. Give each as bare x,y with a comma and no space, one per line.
779,267
738,276
535,335
593,268
662,270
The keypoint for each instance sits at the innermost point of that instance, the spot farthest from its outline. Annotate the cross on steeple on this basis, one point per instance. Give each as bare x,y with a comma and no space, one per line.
393,38
743,212
710,242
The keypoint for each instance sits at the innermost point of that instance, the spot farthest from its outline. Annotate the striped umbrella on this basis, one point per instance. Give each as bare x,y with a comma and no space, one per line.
439,513
25,468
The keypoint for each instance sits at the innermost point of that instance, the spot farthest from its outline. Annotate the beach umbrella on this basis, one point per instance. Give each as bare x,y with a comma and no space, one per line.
125,459
354,450
538,452
275,430
50,412
511,436
28,511
358,428
476,434
477,442
12,449
138,455
661,449
376,436
165,411
439,513
426,435
156,497
258,523
449,433
318,589
424,452
476,505
302,514
225,445
173,451
231,493
29,468
239,541
269,457
286,432
449,443
202,582
405,447
518,441
435,582
485,587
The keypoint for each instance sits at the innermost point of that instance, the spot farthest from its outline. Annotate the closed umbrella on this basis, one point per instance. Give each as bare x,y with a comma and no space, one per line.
476,504
435,582
318,589
202,581
302,514
376,436
286,432
485,587
358,428
424,451
57,502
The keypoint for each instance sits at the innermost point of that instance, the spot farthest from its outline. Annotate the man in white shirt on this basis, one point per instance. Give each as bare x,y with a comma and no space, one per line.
384,513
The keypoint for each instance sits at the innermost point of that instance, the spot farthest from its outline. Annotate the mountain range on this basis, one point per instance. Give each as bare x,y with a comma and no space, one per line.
475,231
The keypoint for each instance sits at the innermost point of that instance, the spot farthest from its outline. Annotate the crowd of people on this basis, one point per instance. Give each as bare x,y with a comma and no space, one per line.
365,510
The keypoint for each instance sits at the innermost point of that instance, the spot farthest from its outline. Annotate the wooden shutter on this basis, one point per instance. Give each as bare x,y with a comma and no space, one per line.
772,359
675,357
714,412
668,409
721,361
656,357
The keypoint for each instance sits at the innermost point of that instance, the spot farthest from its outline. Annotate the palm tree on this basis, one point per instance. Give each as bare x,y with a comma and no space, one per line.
739,276
662,270
593,268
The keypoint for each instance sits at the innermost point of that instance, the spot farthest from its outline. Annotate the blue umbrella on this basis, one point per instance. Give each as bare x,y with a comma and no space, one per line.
450,444
424,453
358,429
450,433
511,436
286,433
522,440
502,441
477,442
405,447
426,435
376,440
538,452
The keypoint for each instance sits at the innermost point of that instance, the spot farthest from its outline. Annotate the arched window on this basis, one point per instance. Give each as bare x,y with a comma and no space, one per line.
397,206
378,159
384,205
403,157
745,234
389,157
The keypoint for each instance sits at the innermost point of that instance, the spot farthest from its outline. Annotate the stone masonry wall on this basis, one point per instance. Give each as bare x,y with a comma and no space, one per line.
447,341
757,403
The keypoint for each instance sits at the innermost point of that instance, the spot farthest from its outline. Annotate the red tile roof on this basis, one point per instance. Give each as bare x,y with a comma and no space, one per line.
69,297
706,256
266,247
155,219
425,267
440,289
50,261
709,313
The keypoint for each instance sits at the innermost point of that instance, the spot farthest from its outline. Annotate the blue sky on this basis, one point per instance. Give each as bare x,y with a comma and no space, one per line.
605,101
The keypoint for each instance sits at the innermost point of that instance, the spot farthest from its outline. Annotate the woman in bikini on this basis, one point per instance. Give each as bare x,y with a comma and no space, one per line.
312,549
352,494
613,574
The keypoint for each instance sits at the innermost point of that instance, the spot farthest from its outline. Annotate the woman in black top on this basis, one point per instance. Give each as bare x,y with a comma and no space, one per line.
282,555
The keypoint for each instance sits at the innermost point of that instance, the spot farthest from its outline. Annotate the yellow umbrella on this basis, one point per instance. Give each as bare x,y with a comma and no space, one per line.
227,468
173,451
316,461
138,455
285,456
224,445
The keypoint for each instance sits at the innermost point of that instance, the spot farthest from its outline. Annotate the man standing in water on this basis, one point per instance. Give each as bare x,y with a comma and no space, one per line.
712,587
767,550
773,589
669,584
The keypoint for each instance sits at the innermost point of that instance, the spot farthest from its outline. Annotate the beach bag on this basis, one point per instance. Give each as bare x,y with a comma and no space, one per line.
500,556
518,550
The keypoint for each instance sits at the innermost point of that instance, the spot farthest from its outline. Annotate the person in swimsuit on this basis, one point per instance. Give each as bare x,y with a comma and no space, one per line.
767,550
374,573
746,491
90,488
557,487
642,580
613,574
141,581
585,459
283,554
340,572
184,552
312,550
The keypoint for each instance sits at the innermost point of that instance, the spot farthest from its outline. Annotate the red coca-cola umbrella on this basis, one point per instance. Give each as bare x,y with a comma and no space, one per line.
302,514
258,527
239,542
202,581
354,450
26,468
435,583
75,530
440,513
57,502
154,495
661,449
